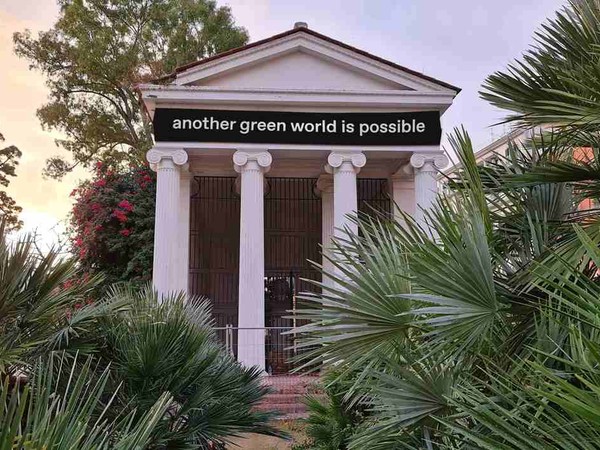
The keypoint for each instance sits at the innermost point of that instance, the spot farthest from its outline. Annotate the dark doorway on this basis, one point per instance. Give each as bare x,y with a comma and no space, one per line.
292,238
214,246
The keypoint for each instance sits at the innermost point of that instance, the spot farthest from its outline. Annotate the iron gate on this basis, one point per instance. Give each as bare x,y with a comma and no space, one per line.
374,196
292,238
214,245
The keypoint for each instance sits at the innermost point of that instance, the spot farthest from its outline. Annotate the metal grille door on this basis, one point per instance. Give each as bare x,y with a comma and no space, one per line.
214,245
292,238
373,196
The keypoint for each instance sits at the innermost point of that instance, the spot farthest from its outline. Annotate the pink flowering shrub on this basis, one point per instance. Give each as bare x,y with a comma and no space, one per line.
112,223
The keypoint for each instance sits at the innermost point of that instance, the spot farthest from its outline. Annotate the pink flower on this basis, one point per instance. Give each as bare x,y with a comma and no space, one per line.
125,232
120,215
96,207
100,183
124,204
73,193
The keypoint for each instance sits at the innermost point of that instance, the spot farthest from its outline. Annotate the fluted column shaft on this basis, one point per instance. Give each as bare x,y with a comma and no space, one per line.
325,187
251,310
426,169
166,268
344,167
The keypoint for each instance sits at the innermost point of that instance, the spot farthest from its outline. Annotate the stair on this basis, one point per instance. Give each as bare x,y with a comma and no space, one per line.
287,395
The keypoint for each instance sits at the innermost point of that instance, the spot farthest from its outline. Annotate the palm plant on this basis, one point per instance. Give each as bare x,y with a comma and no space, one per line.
492,340
47,412
556,85
459,315
332,419
41,303
557,82
169,346
172,385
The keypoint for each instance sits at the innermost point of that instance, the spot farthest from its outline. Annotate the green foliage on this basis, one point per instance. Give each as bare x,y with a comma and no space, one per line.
98,51
64,406
332,417
169,346
9,160
158,378
39,303
488,335
557,82
112,224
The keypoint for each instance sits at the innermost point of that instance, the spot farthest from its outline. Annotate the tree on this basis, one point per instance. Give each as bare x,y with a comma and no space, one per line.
98,51
9,160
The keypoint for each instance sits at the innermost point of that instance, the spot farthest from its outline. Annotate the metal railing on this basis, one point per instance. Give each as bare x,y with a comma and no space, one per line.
281,350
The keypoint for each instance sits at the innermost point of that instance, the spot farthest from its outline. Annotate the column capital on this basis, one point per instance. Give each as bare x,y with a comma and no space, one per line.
246,160
155,156
429,162
352,161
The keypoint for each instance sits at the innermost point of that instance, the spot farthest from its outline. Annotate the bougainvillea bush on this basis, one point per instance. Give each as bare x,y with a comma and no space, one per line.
112,223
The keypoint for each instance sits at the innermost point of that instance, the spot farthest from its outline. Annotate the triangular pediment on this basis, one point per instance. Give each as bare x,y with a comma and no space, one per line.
304,60
300,69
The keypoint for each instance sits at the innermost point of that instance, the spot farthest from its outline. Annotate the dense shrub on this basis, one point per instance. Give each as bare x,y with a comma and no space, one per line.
112,223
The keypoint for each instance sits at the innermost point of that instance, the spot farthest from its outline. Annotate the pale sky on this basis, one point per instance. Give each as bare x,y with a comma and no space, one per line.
460,42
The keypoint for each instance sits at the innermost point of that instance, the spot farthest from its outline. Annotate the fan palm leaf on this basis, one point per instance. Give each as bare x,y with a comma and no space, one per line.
47,413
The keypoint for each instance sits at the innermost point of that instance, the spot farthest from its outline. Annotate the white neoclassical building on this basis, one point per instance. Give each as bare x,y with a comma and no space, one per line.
257,167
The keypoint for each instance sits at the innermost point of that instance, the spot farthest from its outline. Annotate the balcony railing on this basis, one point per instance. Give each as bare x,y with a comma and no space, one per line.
281,351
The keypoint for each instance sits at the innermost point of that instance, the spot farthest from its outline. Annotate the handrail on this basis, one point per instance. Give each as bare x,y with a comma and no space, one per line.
252,328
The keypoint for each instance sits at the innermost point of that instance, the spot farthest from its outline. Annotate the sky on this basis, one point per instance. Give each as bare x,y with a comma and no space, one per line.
460,42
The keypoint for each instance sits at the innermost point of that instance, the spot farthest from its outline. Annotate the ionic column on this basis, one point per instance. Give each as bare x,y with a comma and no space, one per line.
344,166
166,276
325,187
426,167
251,310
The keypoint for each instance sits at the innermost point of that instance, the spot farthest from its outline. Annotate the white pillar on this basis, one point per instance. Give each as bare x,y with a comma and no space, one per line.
344,166
184,223
426,167
251,310
403,192
166,276
325,187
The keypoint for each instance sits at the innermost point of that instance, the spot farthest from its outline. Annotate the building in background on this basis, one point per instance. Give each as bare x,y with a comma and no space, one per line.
244,203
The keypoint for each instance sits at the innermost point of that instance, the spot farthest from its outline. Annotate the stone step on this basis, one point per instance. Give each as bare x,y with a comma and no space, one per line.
289,398
282,398
287,395
293,416
282,408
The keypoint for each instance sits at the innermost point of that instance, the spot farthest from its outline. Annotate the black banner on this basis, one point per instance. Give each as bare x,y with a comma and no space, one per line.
271,127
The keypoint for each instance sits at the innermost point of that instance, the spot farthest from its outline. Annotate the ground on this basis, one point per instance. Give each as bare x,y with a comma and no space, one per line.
257,442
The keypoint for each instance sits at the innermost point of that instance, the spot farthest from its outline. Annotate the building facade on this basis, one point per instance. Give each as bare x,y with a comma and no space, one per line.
239,219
